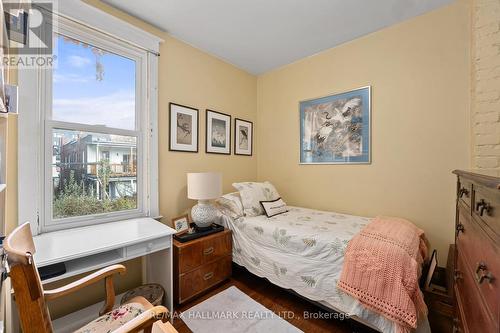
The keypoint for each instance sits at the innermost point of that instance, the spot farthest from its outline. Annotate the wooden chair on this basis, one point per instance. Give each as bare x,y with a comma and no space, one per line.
134,316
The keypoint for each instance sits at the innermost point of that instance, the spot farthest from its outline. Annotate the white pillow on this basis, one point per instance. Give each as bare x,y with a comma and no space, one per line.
230,205
253,193
274,207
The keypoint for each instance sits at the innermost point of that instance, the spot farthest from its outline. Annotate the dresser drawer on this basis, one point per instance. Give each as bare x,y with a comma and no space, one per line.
465,192
217,247
487,208
483,258
204,277
469,301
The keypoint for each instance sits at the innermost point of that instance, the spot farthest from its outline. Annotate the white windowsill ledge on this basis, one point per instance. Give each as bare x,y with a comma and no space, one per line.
83,242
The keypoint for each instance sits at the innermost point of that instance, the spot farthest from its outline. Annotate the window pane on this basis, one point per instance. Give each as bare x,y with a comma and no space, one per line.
92,86
93,173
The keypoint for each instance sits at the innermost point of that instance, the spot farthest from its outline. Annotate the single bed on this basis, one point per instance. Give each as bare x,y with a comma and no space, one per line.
303,250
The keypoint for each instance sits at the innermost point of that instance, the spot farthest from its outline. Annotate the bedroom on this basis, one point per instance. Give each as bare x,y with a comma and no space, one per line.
427,77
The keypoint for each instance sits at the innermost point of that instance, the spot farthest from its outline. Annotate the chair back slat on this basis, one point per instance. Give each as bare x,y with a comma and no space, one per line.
26,282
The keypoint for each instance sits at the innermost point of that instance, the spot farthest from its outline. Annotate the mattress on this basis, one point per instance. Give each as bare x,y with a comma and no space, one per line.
303,250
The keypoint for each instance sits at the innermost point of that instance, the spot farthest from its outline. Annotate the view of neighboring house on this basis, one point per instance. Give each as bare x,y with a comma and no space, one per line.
105,164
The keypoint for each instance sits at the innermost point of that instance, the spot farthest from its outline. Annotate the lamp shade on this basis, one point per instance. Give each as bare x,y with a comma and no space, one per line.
204,185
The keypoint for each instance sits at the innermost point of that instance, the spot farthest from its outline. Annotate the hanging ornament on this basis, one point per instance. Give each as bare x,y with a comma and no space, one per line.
99,67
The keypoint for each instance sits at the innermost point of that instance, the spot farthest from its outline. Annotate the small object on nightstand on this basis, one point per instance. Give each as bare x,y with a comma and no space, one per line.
201,264
181,223
195,232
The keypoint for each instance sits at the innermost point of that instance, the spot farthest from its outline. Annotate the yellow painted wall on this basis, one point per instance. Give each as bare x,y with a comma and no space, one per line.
419,71
186,76
192,77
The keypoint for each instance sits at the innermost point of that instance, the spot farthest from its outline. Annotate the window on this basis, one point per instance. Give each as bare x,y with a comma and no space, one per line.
98,181
95,108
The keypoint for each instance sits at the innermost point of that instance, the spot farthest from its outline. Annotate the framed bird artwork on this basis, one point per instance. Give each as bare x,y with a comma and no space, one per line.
336,129
183,134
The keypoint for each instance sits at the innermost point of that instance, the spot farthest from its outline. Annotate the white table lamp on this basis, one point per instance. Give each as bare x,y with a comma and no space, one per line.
204,187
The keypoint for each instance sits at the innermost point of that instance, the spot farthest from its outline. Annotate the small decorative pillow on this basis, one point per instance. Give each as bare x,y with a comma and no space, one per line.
252,194
230,205
274,207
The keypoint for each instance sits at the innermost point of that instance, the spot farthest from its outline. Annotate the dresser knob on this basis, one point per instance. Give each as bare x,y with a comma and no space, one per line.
482,206
488,276
208,276
485,275
460,227
463,191
457,276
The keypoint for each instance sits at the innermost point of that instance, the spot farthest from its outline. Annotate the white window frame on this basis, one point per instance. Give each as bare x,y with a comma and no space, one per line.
35,121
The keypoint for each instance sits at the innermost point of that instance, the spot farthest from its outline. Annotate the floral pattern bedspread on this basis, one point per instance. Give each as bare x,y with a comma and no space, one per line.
302,250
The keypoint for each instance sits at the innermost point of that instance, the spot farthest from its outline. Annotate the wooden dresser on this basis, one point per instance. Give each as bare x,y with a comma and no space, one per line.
201,264
477,256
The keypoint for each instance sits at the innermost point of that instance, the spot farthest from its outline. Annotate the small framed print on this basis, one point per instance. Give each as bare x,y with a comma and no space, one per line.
181,223
243,135
218,133
183,128
17,26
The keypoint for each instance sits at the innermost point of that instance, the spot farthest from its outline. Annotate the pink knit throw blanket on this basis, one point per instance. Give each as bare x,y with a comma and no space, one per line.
381,269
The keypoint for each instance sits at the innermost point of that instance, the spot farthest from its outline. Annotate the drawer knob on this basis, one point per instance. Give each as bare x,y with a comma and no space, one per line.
457,276
208,276
463,191
485,275
208,251
460,227
483,206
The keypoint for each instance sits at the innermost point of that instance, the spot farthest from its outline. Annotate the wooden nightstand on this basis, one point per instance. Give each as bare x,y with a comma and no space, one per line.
201,264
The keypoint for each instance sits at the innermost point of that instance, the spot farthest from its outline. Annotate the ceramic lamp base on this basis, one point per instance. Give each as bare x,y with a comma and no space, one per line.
204,214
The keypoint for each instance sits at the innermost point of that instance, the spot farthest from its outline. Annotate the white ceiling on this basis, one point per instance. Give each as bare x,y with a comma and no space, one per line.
260,35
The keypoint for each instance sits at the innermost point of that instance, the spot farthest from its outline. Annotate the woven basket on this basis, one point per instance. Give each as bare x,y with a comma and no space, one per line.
153,292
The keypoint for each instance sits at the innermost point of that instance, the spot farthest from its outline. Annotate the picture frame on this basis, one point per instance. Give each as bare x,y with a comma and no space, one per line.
336,129
218,133
184,128
17,26
181,223
243,137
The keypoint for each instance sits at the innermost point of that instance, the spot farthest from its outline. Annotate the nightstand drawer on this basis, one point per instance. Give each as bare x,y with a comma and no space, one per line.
217,247
148,246
206,276
190,257
193,254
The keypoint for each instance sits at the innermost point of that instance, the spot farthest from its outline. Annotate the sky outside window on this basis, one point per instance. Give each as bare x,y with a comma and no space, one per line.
92,86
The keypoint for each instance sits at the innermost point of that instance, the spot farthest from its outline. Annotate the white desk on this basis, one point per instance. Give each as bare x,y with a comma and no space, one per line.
88,248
